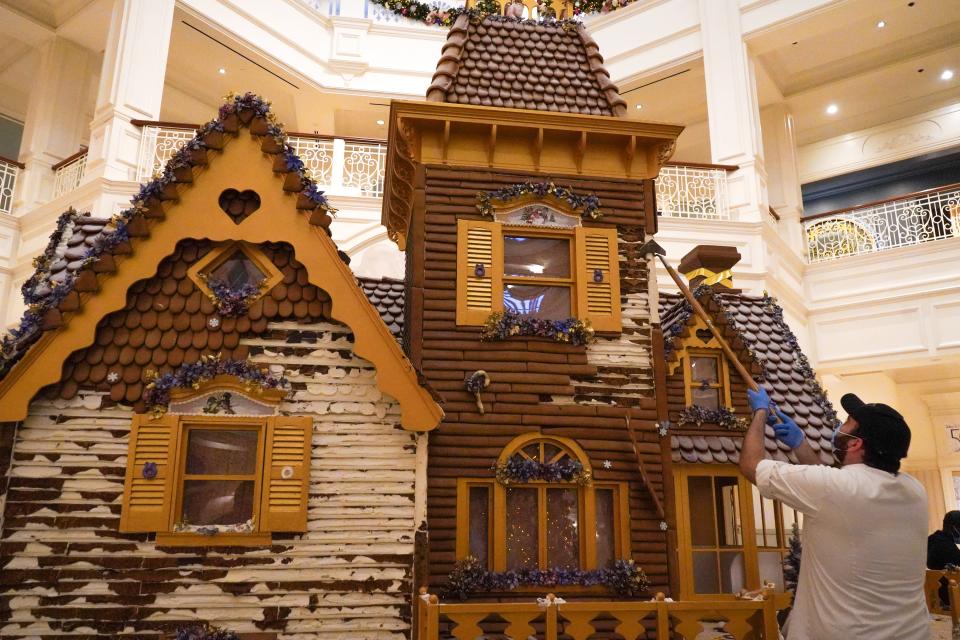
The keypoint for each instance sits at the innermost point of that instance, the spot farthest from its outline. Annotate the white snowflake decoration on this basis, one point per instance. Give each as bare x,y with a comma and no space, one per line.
213,323
607,464
663,525
113,377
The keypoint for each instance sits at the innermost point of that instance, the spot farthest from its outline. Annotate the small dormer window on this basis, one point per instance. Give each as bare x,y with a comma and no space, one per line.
237,271
235,275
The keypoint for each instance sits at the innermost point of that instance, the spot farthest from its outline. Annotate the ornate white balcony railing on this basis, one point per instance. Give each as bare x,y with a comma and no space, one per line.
9,171
907,220
340,166
692,191
68,173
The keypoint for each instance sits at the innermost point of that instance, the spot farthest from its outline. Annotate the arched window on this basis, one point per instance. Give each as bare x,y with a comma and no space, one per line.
544,510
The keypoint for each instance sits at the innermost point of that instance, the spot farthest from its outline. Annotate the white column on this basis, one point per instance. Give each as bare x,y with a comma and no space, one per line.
56,123
732,112
131,86
783,177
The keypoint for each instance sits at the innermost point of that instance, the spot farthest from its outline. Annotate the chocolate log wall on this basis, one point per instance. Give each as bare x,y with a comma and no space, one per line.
68,573
536,384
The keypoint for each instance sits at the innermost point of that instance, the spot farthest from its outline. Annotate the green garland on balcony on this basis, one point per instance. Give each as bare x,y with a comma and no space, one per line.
435,15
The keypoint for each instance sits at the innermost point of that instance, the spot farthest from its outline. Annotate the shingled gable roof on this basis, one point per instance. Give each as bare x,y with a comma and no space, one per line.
89,271
754,326
524,64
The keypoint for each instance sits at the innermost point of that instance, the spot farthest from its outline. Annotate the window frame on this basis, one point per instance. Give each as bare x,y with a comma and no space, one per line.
586,497
186,423
570,282
725,397
748,529
221,252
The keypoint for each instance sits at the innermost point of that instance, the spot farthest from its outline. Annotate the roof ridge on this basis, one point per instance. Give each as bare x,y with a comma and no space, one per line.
449,64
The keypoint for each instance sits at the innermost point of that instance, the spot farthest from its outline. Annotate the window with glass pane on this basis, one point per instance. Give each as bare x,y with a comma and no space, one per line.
537,276
237,271
220,476
706,381
523,528
480,523
716,534
606,549
774,525
563,528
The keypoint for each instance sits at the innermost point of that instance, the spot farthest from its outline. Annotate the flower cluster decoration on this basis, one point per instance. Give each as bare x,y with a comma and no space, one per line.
505,324
232,301
587,206
44,295
520,470
190,376
469,576
205,632
726,417
436,15
214,529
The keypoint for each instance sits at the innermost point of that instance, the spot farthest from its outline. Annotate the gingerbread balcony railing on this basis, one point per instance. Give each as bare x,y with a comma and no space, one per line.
693,191
9,172
551,618
341,166
924,216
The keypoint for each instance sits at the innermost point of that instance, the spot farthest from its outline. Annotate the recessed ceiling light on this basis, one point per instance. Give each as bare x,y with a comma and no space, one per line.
832,109
639,106
380,122
881,24
221,71
947,74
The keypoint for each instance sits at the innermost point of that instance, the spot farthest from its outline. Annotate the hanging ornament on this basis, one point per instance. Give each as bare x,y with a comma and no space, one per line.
475,383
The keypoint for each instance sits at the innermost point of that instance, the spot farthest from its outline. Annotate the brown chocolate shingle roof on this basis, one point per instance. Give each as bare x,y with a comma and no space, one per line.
524,64
386,295
757,323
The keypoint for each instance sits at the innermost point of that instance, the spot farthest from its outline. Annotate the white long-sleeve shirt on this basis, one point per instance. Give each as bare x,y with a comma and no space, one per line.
864,551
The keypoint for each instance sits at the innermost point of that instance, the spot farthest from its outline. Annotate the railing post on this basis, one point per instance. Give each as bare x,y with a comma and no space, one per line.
433,618
771,630
551,618
954,591
338,164
663,617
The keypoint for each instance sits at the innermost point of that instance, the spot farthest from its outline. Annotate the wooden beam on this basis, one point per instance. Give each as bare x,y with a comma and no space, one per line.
643,469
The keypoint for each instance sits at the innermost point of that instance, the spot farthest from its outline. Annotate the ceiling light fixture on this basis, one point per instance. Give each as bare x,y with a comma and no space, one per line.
947,74
221,71
832,109
881,24
380,122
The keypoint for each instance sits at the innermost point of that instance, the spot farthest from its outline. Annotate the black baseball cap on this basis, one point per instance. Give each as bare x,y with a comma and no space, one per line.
879,423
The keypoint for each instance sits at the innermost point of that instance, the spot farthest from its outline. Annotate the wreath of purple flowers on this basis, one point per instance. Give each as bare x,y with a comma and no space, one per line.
586,206
469,576
435,15
520,470
189,376
205,632
250,109
232,301
505,324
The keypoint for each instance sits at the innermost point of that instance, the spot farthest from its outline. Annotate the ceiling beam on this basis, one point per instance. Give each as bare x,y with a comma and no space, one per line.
17,26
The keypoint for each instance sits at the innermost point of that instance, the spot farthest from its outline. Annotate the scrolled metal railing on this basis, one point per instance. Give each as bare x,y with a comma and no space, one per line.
924,216
69,172
342,166
9,172
693,191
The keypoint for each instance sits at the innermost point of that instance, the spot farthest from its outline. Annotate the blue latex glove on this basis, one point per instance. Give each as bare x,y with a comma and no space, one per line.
787,431
758,399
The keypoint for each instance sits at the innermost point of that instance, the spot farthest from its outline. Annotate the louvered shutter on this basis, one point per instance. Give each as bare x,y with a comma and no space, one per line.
286,474
479,243
147,501
598,278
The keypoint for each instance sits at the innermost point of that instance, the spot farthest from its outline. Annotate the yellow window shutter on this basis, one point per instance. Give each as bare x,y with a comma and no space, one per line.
479,291
598,278
151,463
286,474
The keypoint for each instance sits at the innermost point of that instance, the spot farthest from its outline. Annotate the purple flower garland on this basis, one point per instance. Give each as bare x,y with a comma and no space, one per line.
187,376
505,324
586,206
435,15
116,232
469,576
724,416
205,632
231,301
520,470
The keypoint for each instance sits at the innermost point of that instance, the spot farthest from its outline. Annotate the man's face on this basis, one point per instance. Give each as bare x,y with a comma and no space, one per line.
844,438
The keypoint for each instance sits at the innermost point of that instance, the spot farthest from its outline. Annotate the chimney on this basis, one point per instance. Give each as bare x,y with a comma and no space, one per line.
710,264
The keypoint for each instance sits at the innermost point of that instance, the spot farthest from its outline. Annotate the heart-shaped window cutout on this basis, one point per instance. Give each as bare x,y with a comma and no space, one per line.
705,335
239,205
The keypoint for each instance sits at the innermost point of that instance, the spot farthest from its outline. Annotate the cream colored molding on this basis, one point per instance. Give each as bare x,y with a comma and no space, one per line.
897,140
943,404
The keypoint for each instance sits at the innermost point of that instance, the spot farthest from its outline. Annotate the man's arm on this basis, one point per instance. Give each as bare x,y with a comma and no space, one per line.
752,451
805,454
